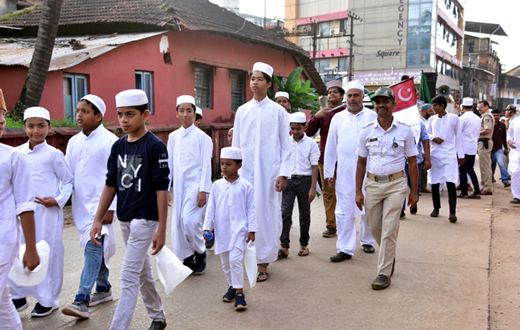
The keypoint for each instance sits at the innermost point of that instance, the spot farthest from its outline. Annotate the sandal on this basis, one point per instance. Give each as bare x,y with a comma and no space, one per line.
262,273
281,254
304,251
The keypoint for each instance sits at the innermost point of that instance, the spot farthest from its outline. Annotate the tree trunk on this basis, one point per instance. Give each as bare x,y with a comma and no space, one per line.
39,67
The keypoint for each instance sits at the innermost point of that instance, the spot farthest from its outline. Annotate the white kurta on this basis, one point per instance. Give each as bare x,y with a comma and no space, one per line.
189,159
51,177
87,157
260,131
513,134
231,212
344,131
470,125
445,156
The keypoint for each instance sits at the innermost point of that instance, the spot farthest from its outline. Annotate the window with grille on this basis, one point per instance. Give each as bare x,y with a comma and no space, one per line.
203,86
237,90
144,81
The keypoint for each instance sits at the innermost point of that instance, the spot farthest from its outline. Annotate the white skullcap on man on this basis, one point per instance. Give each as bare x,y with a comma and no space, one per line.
263,67
356,84
36,112
284,94
467,102
503,118
131,98
186,99
231,153
198,111
97,101
297,118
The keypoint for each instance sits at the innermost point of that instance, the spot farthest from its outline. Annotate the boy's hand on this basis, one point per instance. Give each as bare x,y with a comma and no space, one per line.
46,201
108,218
31,260
204,235
170,203
95,232
280,184
201,199
312,194
329,181
250,237
159,239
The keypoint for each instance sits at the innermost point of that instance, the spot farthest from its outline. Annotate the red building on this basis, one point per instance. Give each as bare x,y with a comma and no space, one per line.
167,48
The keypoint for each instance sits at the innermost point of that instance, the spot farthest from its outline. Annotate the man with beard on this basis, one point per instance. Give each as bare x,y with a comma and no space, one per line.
344,129
385,142
426,112
321,121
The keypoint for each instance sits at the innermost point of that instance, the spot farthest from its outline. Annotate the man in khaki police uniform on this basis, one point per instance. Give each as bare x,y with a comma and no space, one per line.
387,142
485,145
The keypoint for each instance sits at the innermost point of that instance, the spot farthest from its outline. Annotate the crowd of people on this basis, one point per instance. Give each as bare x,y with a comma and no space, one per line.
367,163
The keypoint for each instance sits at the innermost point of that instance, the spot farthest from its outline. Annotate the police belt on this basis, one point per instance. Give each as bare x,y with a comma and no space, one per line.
386,178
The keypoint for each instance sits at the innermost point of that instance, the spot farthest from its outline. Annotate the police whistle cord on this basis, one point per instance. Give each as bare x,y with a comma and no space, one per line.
339,106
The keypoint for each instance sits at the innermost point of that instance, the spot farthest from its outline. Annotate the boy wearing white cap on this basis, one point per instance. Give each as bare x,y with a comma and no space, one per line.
17,205
231,214
470,125
302,184
261,133
52,182
189,158
282,98
87,155
341,159
138,174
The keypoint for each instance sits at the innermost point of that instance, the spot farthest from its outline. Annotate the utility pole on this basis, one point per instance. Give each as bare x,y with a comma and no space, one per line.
352,17
314,38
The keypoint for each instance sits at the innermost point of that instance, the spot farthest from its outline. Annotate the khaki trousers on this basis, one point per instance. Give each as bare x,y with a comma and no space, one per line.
484,157
329,198
383,204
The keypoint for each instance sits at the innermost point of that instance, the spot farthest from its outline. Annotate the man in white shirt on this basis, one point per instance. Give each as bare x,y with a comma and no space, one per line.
385,142
513,140
426,112
344,128
470,128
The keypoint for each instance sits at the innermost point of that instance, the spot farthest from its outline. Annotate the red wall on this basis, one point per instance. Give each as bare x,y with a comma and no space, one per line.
114,71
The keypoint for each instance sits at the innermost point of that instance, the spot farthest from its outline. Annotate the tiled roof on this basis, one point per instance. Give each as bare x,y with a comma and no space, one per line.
195,15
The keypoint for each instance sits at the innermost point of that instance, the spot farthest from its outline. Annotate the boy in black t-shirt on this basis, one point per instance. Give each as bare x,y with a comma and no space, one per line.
138,174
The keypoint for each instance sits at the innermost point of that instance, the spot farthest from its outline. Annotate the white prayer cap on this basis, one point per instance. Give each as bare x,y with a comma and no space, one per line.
198,111
467,102
356,84
298,118
186,99
231,129
503,118
284,94
265,68
36,112
97,101
131,98
231,153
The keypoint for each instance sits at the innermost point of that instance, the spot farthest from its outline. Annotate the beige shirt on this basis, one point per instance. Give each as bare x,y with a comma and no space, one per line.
488,122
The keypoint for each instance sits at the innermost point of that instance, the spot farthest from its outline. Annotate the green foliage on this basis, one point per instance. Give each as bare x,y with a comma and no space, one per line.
66,122
13,123
301,95
18,13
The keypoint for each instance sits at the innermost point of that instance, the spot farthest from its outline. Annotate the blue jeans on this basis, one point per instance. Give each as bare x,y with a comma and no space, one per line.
419,166
94,270
498,157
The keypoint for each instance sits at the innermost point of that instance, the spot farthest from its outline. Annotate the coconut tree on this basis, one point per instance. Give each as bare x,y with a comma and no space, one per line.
39,67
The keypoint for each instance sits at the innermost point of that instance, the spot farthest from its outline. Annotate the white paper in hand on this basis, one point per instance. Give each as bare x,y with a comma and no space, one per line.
24,277
170,269
250,263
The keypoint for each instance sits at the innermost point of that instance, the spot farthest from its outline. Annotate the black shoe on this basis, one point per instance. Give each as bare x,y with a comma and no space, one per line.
329,232
240,302
39,310
402,216
381,282
189,262
200,263
157,325
367,248
435,213
340,256
211,242
453,217
230,295
413,210
515,201
20,304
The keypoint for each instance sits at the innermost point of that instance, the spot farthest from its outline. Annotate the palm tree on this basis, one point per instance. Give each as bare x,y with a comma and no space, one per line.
39,67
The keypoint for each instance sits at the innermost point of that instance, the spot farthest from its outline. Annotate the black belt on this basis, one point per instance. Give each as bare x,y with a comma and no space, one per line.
300,176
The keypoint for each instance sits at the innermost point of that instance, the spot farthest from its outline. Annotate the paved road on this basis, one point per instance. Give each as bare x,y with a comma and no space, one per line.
448,276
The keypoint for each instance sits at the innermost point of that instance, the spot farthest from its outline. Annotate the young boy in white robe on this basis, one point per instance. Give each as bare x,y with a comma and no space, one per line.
231,214
87,155
260,131
189,159
302,184
138,175
17,207
52,182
